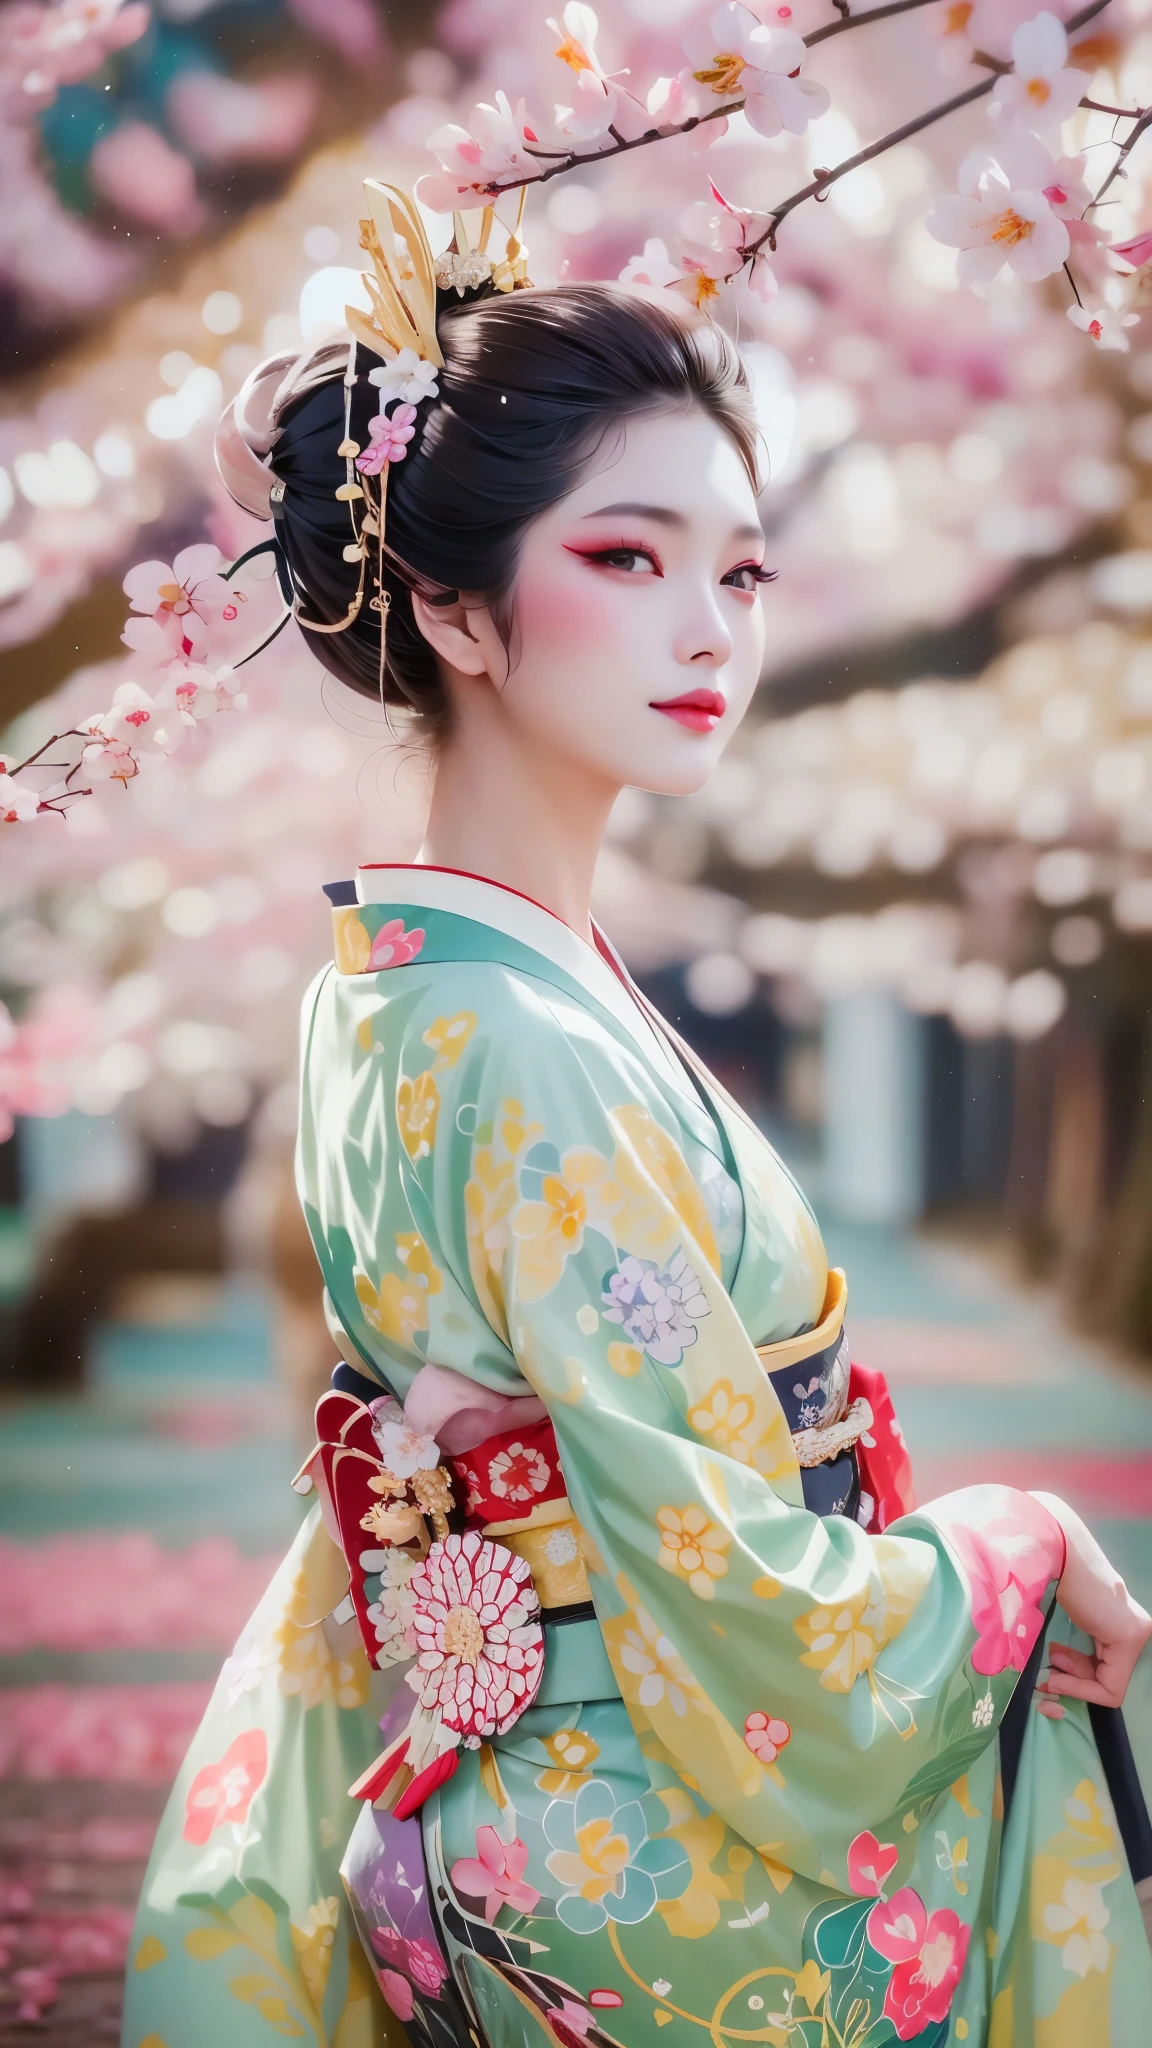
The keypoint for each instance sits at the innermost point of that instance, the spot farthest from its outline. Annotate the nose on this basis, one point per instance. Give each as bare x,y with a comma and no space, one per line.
702,639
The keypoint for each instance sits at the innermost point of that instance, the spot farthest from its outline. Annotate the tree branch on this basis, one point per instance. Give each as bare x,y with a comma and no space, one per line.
1126,149
838,28
824,179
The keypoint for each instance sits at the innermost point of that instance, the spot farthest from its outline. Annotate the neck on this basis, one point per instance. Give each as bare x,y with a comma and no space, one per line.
512,809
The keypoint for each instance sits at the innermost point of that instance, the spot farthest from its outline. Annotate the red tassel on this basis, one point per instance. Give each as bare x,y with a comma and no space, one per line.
370,1784
425,1783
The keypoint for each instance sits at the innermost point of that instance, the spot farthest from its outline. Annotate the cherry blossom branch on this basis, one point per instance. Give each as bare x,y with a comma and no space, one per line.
72,733
847,21
825,179
1126,148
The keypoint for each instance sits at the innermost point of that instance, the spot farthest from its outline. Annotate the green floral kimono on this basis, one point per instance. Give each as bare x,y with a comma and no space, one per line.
758,1796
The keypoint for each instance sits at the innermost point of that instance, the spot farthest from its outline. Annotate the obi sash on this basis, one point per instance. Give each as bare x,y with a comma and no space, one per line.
848,1444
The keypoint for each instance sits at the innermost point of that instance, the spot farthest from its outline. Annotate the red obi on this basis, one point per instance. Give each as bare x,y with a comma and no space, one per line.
509,1474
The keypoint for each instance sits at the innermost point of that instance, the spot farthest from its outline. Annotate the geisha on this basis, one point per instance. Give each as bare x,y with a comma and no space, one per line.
613,1691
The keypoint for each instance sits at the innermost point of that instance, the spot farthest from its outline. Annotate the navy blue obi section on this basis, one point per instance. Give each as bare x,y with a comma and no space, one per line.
808,1393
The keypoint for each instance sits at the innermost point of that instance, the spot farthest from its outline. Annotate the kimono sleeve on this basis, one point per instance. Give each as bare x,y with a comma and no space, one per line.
806,1679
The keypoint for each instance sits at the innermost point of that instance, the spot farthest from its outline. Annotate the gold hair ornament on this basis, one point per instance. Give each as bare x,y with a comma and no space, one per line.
401,288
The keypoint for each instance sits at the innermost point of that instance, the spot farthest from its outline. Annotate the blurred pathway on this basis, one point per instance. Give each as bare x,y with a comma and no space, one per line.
138,1525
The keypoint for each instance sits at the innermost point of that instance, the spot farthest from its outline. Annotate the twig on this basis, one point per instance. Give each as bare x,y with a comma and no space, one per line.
1126,149
72,733
837,28
824,179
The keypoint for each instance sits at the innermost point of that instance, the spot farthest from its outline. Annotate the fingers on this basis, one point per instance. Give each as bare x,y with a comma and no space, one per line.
1062,1657
1047,1707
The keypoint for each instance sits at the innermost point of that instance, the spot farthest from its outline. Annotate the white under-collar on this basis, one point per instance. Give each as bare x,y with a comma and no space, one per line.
518,917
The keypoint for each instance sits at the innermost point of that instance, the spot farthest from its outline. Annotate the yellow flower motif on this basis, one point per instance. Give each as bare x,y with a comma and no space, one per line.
596,1863
626,1359
651,1672
693,1548
649,1164
696,1911
549,1231
352,944
398,1308
412,1252
724,1415
313,1944
309,1667
447,1036
573,1753
417,1108
488,1199
812,1983
1077,1922
845,1637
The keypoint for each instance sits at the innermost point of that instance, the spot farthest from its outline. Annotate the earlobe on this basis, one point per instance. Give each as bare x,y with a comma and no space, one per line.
448,632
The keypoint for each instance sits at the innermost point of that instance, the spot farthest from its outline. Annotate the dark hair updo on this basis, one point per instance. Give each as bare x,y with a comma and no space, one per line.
532,381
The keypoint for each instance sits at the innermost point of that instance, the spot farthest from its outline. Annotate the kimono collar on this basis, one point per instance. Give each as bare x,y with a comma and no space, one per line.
404,911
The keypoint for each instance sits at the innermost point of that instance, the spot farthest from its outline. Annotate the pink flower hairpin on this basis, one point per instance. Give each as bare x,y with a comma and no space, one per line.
390,438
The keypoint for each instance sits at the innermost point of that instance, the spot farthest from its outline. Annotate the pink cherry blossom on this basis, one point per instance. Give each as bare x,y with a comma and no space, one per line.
390,437
184,603
494,147
224,1791
929,1955
653,267
766,1736
1011,1549
495,1874
108,760
869,1863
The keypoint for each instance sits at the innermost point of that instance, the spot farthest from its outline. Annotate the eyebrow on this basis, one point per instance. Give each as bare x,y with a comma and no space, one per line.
665,516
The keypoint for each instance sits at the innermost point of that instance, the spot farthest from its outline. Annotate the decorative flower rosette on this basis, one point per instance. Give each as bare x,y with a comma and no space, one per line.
475,1621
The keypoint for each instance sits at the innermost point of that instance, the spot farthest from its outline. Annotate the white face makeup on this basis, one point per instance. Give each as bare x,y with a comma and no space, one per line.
638,634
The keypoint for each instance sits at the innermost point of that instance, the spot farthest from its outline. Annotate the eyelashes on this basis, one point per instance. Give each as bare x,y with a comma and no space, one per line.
611,557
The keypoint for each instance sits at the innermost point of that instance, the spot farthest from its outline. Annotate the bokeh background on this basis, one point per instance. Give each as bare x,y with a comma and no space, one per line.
909,922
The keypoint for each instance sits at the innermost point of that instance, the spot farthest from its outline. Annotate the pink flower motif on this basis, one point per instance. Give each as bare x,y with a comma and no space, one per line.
518,1473
393,946
766,1737
390,1945
390,438
929,1955
397,1993
426,1967
495,1874
224,1791
571,2022
479,1644
869,1863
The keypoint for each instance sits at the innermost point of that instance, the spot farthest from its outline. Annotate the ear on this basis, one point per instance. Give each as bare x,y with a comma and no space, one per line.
448,631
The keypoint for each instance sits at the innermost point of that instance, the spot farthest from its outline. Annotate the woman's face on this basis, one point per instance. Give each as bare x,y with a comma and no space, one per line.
637,629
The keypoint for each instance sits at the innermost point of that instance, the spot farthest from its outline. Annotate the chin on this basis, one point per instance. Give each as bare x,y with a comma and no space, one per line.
682,771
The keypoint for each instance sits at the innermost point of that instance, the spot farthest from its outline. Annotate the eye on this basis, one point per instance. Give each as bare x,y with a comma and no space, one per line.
748,576
634,561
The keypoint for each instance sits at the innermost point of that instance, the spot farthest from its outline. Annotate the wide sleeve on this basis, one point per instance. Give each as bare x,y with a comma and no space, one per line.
808,1680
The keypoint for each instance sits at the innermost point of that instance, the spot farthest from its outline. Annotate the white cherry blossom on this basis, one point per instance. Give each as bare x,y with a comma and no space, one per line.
1001,216
1104,325
18,801
1039,92
407,376
737,57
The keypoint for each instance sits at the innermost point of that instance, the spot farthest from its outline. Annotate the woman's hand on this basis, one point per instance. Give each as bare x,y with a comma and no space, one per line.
1095,1598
